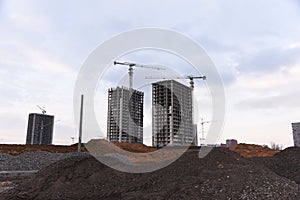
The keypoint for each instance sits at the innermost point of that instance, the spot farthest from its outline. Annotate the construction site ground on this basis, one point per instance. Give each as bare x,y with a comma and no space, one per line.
241,172
245,150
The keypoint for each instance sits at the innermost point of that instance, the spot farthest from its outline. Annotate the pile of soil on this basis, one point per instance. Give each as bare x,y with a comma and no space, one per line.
99,147
13,149
252,150
286,163
246,150
222,174
135,147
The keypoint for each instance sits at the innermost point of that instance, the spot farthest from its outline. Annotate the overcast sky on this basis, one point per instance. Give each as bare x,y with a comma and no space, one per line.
254,44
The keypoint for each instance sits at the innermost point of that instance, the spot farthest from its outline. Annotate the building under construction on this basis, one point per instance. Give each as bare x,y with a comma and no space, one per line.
125,115
171,114
40,129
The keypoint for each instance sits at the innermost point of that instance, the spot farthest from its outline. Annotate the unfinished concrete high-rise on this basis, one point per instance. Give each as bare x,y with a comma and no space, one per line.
296,134
171,114
40,129
125,115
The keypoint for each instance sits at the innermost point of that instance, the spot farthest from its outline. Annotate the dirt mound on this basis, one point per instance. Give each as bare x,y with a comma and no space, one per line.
222,174
98,147
134,147
14,149
286,163
252,150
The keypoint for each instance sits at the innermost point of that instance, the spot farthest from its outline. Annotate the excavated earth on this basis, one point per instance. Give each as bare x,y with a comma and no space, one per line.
285,164
222,174
14,149
252,150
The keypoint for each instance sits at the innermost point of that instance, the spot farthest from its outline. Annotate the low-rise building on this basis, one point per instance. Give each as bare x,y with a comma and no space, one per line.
231,142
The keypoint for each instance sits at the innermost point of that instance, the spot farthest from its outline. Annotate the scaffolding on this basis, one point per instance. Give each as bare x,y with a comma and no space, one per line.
171,114
125,115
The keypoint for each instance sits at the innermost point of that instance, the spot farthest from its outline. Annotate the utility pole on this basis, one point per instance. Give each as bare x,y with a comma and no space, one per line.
80,125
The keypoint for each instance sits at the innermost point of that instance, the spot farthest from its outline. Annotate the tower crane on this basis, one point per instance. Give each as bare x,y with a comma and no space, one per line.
73,138
192,85
42,108
130,69
202,139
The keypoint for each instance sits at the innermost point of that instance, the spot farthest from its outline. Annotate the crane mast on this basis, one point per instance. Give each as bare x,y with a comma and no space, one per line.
202,139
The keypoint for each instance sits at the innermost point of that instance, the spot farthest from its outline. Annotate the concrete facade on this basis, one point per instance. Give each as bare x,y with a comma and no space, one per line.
296,133
171,114
125,115
40,129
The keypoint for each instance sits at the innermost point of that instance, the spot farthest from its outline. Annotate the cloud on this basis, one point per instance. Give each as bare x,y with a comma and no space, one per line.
255,45
268,60
283,101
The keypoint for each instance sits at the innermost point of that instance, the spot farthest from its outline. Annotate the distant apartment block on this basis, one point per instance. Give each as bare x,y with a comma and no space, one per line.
296,133
231,142
223,145
40,129
125,115
171,114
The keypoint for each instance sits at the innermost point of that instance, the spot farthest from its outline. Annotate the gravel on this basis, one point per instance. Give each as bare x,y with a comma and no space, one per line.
222,174
31,161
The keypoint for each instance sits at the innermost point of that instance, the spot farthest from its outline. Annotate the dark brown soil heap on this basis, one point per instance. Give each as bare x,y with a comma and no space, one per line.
222,174
286,163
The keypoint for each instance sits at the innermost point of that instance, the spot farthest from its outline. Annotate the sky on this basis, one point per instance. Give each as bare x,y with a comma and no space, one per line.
254,44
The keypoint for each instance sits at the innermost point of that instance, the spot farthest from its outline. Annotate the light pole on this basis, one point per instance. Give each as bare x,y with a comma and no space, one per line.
80,125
